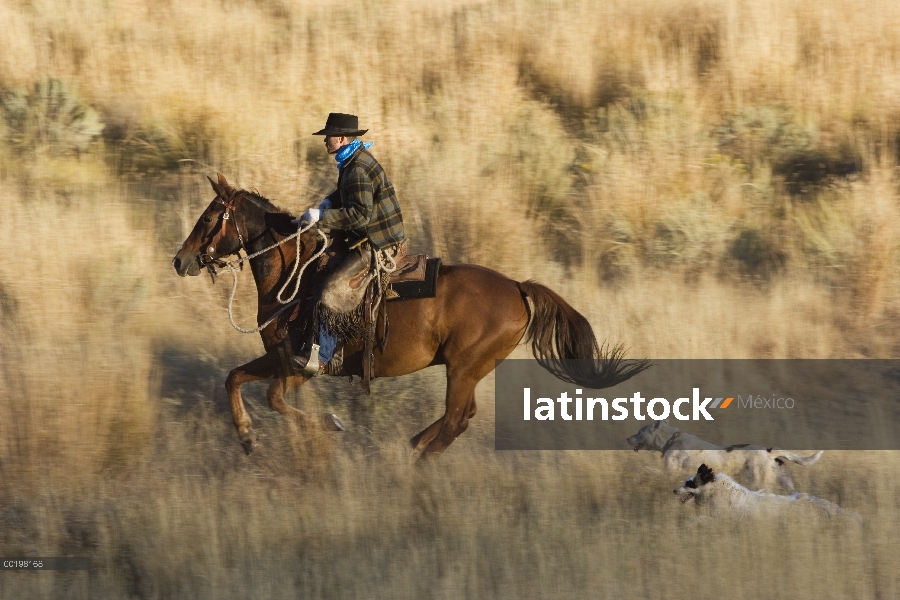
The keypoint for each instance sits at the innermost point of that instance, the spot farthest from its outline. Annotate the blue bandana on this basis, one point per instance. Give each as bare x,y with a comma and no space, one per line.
348,150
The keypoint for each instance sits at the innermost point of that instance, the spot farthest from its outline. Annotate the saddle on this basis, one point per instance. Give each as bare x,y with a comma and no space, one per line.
415,277
352,299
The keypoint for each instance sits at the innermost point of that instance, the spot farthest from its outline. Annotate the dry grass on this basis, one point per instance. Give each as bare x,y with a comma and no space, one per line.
701,179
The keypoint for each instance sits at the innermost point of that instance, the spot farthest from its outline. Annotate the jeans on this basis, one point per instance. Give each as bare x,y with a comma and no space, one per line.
327,343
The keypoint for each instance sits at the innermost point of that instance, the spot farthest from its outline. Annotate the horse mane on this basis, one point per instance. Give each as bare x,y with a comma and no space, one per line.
263,202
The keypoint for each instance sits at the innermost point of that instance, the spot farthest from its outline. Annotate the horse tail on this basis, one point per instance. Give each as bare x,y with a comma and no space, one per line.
564,343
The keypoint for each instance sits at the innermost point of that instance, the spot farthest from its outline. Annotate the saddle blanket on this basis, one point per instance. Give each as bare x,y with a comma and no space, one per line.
415,277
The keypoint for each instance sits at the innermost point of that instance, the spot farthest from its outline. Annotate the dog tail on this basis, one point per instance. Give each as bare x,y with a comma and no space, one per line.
855,516
806,461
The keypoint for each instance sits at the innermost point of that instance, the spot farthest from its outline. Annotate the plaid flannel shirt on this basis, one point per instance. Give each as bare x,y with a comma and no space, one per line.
365,203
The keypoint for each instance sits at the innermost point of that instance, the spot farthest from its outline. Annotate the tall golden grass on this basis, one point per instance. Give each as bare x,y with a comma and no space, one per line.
701,179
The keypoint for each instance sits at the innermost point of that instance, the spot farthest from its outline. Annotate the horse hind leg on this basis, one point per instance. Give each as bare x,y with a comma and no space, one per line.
460,407
468,362
424,437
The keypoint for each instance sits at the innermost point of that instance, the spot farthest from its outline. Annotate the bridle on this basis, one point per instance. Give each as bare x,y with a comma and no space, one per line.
208,260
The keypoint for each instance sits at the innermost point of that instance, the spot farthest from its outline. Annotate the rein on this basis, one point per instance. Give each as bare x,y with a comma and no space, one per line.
206,260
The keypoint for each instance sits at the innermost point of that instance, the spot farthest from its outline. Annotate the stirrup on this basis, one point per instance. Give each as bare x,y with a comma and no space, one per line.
312,366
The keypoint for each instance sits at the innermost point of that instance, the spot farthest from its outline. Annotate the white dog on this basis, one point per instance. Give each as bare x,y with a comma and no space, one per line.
723,496
759,467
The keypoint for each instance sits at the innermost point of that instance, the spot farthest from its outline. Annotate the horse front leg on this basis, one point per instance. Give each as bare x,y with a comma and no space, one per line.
264,367
275,394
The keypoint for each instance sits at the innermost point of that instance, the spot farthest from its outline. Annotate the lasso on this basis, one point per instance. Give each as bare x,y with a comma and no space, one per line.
297,270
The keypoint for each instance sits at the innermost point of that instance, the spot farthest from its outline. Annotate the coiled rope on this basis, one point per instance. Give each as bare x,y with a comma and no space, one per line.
384,266
297,270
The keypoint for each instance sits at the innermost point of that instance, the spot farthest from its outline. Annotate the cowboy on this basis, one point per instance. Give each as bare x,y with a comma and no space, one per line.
364,205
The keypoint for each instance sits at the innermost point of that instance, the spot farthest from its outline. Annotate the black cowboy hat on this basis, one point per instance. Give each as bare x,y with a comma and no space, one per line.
339,124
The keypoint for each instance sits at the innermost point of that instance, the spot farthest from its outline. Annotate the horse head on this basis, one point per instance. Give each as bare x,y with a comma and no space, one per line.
237,219
215,235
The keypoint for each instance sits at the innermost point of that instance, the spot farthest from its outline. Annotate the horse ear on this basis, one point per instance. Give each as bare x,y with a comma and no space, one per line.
217,188
222,181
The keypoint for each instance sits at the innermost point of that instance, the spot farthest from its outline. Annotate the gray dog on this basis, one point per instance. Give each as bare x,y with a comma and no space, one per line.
761,468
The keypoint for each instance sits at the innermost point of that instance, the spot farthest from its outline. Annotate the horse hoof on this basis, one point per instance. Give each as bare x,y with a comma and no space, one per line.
330,422
249,441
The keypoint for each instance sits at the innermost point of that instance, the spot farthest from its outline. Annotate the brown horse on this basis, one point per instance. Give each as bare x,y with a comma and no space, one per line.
478,317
